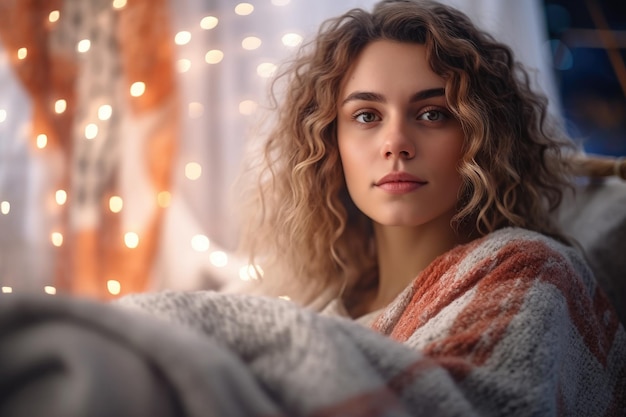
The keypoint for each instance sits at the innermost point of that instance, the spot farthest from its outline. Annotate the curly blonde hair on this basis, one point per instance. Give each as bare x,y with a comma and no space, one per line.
302,225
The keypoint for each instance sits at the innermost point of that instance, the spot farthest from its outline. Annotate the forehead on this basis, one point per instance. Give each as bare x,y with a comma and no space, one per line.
391,65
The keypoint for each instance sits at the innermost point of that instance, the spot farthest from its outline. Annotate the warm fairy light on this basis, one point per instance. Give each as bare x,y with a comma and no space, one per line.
218,258
200,243
57,239
5,207
195,110
119,4
266,69
60,106
182,38
209,22
105,112
183,65
137,89
250,43
248,272
291,39
91,131
280,2
131,240
214,56
54,16
22,53
3,115
285,297
116,204
244,9
83,46
60,197
164,199
193,170
49,289
114,286
247,107
7,290
42,140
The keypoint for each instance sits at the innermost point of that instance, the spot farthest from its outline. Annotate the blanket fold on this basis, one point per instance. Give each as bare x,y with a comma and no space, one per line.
509,325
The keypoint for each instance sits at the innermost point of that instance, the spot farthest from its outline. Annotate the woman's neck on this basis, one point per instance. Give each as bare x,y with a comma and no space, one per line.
403,253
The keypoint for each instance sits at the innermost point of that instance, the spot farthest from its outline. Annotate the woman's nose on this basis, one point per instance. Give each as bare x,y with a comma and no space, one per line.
398,142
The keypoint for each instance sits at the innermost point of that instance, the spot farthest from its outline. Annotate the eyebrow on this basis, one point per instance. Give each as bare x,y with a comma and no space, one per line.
371,96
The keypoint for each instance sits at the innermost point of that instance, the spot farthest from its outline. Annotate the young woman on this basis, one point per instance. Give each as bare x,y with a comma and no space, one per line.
408,183
402,134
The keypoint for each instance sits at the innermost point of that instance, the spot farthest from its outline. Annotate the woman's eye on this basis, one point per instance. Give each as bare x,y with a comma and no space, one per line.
365,117
432,116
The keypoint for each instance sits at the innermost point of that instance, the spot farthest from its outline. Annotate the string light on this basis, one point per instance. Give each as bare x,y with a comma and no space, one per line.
244,9
200,243
83,46
250,272
195,110
193,170
3,115
119,4
42,140
60,197
60,106
182,38
7,290
218,258
291,39
116,204
285,297
54,16
251,42
49,289
114,287
131,240
266,69
91,131
164,199
57,239
22,53
214,56
105,112
183,65
137,89
5,207
209,22
247,107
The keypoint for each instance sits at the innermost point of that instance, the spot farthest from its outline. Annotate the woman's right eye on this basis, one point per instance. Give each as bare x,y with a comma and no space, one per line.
365,117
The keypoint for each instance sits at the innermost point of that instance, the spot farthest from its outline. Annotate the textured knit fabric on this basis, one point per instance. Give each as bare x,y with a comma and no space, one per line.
509,325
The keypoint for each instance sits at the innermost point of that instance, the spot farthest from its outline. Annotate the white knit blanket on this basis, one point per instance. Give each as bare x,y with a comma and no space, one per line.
509,325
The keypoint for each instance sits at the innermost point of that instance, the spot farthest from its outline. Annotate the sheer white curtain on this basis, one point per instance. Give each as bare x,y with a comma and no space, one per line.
225,53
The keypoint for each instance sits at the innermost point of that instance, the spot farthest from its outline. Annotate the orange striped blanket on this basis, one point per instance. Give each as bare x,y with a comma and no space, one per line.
509,325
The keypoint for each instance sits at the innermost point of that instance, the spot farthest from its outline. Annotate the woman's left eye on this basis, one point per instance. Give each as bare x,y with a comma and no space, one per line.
432,116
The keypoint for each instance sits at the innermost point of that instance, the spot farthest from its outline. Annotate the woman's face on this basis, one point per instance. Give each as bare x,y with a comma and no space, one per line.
399,145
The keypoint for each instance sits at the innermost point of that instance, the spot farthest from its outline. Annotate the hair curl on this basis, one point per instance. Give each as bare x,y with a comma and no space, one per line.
304,223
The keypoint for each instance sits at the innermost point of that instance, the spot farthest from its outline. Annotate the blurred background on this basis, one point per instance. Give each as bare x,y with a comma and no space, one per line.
123,124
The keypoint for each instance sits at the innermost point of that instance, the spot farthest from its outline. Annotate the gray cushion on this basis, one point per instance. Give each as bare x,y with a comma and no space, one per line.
595,215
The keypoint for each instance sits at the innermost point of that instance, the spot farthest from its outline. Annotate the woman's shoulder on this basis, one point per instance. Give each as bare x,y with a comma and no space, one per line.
518,249
513,240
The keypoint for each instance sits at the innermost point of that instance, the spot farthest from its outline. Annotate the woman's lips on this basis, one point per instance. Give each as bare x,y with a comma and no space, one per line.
399,183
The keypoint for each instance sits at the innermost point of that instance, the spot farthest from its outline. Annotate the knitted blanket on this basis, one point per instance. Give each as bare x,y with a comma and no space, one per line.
509,325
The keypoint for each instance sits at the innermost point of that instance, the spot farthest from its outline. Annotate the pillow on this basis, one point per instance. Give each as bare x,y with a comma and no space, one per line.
595,216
